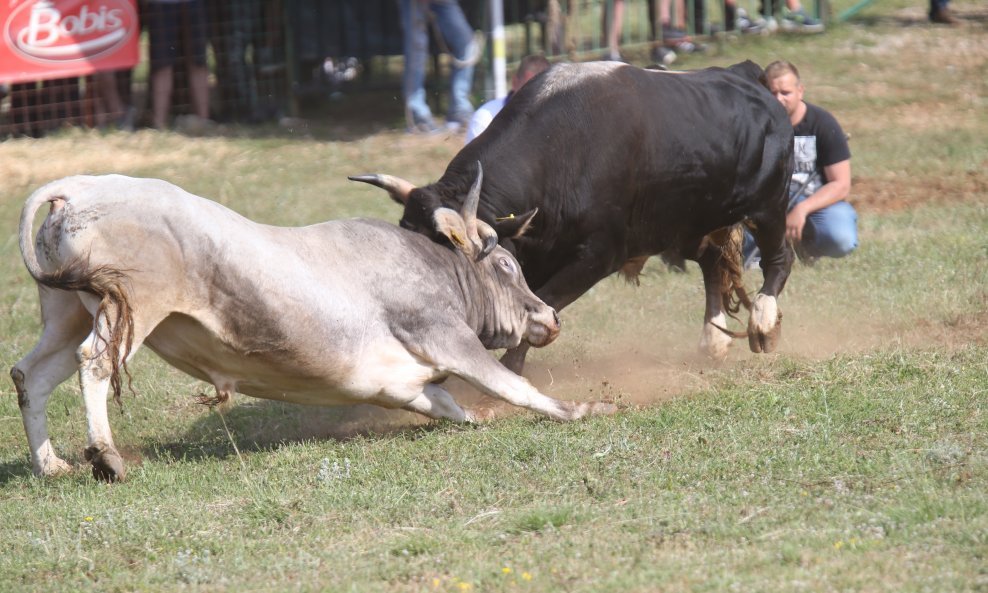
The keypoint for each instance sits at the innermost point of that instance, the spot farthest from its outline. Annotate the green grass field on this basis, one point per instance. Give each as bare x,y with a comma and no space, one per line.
854,459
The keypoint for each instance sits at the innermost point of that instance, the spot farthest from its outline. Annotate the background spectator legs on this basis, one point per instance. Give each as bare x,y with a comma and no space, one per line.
177,33
237,32
458,35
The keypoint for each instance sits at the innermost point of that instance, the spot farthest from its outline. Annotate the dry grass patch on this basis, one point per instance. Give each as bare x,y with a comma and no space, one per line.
30,162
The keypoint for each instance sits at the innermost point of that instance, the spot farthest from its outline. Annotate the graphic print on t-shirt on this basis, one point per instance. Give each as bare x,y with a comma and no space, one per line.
805,157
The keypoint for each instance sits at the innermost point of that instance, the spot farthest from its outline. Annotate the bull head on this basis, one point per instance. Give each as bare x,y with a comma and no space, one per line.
463,229
470,235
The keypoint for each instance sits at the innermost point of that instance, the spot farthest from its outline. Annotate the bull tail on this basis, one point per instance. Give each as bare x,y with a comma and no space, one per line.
43,196
733,293
78,275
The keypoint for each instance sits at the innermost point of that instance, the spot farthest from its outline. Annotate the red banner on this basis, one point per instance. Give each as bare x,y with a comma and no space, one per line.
45,39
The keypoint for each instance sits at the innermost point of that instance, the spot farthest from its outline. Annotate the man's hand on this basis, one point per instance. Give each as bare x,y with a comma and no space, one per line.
795,221
836,189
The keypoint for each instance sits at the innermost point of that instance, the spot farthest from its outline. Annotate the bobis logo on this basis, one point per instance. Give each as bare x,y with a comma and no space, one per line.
72,30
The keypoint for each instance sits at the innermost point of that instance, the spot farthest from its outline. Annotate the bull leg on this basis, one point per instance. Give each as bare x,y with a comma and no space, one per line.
514,358
765,323
436,403
715,260
95,372
50,363
95,368
597,260
474,365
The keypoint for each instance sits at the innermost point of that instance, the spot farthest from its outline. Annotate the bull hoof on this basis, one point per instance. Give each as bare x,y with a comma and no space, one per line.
601,409
765,325
713,341
479,416
107,464
53,467
765,343
585,409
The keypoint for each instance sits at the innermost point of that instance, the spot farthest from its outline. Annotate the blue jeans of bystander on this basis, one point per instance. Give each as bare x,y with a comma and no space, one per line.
829,232
936,5
456,31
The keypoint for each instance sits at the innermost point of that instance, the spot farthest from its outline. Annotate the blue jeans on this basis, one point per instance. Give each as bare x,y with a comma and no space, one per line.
936,5
829,232
456,31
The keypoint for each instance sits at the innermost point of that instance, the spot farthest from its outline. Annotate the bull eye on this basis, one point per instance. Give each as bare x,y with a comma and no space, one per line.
507,265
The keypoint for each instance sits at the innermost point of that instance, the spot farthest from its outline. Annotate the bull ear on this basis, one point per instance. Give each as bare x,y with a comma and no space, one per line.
396,187
512,227
450,224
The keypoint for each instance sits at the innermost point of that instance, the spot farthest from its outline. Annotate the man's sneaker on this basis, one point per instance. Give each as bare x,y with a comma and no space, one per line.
663,56
193,125
458,122
671,34
799,21
126,121
673,38
689,47
425,127
747,26
943,16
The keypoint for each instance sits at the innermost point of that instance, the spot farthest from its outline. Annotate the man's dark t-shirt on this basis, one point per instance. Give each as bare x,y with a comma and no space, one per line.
820,142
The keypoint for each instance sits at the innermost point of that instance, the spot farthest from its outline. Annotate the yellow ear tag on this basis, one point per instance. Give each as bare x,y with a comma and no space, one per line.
456,239
503,218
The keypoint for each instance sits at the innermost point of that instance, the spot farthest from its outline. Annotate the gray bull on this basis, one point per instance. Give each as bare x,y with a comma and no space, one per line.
342,312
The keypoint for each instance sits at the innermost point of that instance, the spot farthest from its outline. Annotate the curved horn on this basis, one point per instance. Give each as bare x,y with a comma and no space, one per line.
469,209
488,239
396,186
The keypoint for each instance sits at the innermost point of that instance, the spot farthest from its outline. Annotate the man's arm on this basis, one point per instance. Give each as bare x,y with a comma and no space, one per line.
478,123
837,188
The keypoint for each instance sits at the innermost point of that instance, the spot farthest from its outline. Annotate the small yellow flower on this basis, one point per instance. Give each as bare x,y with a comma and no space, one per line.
526,576
436,583
88,519
506,570
465,586
838,545
804,493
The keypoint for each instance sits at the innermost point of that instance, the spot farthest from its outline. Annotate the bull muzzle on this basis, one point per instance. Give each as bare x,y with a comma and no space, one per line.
543,328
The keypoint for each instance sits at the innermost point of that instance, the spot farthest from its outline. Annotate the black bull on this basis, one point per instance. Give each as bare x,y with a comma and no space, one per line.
609,164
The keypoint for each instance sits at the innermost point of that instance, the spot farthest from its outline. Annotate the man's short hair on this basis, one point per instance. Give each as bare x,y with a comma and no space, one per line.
532,65
781,68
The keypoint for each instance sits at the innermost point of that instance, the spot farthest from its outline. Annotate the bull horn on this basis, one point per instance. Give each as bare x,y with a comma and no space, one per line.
469,209
397,187
488,239
477,230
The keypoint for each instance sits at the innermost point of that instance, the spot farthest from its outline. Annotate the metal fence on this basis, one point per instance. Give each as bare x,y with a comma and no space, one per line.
263,56
242,44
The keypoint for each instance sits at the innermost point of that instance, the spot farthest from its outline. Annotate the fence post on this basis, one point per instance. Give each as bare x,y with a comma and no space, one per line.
291,73
498,49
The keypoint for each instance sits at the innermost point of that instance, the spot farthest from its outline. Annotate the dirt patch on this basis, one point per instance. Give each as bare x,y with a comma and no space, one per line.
895,192
627,374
